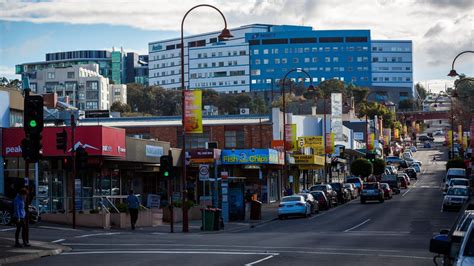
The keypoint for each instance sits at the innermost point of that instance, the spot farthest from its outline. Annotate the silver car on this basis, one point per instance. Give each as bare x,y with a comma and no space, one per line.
455,197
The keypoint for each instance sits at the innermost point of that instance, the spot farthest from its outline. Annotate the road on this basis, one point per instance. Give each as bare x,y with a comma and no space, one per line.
395,232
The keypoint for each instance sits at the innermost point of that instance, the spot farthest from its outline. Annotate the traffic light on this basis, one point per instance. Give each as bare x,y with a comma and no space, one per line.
166,166
370,156
81,158
61,140
33,117
33,126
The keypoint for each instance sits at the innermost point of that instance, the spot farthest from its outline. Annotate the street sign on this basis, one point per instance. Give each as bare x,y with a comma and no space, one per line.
224,175
203,172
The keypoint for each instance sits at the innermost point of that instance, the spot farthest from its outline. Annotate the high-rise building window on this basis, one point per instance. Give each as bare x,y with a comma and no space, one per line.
265,61
265,51
295,60
257,61
327,59
50,75
255,52
277,60
283,61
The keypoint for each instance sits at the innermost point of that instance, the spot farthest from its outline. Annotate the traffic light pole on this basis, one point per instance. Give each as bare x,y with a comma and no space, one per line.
27,176
73,153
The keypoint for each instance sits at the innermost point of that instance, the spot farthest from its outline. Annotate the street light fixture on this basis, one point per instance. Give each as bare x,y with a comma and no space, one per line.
284,111
224,35
452,72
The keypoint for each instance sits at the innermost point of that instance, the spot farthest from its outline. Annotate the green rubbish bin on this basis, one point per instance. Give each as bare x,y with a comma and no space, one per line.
208,218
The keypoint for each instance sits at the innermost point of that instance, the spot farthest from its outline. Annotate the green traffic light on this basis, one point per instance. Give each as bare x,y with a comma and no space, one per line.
166,173
32,123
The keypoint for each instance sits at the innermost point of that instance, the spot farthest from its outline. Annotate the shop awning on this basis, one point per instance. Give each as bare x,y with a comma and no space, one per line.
356,153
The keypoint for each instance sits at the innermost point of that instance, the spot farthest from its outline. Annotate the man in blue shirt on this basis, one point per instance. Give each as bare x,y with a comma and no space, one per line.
133,204
19,216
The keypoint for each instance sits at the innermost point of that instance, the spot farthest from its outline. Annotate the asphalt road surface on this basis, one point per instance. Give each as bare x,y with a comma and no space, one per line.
396,232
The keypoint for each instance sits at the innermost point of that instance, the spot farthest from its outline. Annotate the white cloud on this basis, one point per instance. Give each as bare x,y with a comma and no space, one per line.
8,72
439,28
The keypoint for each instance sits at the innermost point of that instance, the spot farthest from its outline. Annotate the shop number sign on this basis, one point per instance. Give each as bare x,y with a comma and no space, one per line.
203,172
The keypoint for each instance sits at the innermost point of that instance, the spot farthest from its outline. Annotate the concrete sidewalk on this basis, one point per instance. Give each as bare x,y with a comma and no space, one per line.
11,254
269,214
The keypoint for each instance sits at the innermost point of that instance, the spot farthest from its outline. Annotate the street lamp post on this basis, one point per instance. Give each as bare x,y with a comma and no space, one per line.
310,87
225,34
452,73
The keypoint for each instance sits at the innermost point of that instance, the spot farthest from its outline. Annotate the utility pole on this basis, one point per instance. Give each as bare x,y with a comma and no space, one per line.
73,153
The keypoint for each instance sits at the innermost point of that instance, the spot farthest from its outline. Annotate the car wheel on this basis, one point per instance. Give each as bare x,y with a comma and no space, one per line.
5,217
381,200
280,217
362,201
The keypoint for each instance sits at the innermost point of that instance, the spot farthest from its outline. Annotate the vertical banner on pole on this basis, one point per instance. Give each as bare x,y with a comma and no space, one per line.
464,141
336,115
460,134
193,111
371,142
290,141
396,134
329,143
449,137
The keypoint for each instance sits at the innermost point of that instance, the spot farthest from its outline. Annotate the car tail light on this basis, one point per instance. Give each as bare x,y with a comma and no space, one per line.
299,204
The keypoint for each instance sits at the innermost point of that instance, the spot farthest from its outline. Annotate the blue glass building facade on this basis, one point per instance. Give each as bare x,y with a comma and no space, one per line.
324,54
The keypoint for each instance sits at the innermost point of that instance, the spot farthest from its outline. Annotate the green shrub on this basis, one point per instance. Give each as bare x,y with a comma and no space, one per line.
379,166
361,167
121,207
455,163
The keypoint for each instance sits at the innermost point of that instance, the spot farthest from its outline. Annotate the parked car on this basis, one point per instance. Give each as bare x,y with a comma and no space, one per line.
343,195
372,191
438,132
359,184
455,197
454,173
413,149
330,193
310,199
411,172
293,205
6,210
386,190
425,138
407,178
427,145
412,161
392,169
323,202
457,182
417,167
393,181
403,181
463,225
352,189
407,155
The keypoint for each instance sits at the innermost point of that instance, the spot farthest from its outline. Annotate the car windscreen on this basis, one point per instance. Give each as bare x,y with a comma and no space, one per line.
459,183
469,248
370,186
455,176
318,188
287,199
336,186
318,195
466,223
457,192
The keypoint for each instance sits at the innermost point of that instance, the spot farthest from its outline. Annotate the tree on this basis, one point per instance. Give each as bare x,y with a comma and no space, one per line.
406,104
329,86
15,83
421,91
373,109
359,94
120,107
379,166
465,89
4,81
361,167
455,163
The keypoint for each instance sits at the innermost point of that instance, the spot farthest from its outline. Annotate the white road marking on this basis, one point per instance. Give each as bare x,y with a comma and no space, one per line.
406,192
167,252
58,228
7,229
357,253
98,234
359,225
258,261
57,241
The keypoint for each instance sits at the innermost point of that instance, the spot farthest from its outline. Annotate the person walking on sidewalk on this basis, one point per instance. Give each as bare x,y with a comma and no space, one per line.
133,205
19,216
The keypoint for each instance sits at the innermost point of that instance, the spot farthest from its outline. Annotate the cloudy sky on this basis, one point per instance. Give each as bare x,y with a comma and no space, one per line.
28,29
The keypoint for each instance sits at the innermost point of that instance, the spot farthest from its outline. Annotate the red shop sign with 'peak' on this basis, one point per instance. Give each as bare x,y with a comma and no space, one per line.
97,140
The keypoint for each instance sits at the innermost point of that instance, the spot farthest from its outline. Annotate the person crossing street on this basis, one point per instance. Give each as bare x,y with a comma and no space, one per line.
133,205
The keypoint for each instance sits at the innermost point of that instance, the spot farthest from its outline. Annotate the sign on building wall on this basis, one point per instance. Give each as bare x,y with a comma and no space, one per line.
253,156
329,143
359,135
153,151
314,142
193,111
336,115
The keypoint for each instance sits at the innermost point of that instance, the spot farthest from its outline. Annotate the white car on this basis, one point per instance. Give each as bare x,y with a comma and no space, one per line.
466,254
457,182
414,161
293,205
438,132
454,173
455,197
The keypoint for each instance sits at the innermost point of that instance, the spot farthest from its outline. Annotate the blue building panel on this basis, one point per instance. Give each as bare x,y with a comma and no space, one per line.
324,54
